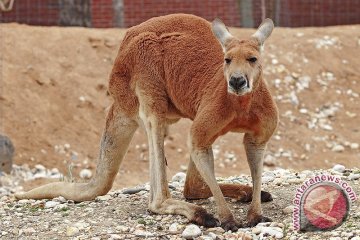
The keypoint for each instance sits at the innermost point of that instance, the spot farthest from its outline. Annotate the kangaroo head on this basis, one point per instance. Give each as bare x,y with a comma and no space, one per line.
242,62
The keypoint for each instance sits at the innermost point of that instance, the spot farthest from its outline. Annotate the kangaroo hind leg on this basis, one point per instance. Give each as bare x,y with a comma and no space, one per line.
115,140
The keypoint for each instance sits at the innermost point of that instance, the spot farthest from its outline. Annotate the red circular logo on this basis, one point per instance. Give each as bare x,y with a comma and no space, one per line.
325,206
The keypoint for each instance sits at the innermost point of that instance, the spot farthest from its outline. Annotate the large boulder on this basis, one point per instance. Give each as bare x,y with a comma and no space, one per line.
6,154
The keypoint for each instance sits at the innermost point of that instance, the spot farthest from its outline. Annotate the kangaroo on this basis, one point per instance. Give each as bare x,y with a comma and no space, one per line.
182,66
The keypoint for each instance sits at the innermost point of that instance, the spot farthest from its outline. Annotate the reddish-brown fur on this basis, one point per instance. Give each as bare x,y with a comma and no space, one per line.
173,67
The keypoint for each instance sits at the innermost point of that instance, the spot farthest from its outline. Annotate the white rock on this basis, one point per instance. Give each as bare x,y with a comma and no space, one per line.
179,177
191,231
338,148
267,179
60,199
355,238
274,61
272,231
256,230
212,235
67,146
51,204
174,228
71,231
142,233
269,160
339,168
354,146
288,209
303,110
122,228
85,174
103,198
354,176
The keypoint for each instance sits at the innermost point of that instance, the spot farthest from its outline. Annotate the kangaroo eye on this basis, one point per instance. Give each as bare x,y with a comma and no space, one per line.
252,59
227,60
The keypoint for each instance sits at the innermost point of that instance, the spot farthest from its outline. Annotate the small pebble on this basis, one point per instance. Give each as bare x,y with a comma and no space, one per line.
103,198
51,204
354,176
142,233
72,231
272,231
339,168
179,177
354,146
191,231
338,148
85,173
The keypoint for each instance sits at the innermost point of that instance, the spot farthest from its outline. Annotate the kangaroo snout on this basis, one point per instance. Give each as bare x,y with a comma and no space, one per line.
237,83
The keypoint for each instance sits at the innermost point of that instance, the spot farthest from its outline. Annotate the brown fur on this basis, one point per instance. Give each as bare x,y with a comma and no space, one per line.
172,67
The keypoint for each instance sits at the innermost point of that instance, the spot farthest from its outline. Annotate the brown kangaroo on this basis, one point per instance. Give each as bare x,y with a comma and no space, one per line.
181,66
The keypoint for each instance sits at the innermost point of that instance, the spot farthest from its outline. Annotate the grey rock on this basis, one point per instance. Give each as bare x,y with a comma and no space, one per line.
133,190
6,154
179,177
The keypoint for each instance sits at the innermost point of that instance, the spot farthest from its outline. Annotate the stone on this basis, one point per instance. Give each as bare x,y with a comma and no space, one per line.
51,204
268,177
288,209
354,146
272,231
179,177
103,198
133,190
354,176
122,228
142,233
72,231
339,168
212,235
174,228
256,230
6,154
216,230
60,199
191,231
85,173
338,148
269,161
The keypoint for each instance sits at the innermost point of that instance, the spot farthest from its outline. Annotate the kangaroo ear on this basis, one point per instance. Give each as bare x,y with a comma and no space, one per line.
221,32
264,31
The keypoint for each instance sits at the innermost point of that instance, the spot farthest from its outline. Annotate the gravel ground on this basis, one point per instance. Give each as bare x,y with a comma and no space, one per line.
123,214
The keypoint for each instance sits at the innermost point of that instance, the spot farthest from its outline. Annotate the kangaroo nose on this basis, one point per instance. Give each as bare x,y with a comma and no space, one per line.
237,82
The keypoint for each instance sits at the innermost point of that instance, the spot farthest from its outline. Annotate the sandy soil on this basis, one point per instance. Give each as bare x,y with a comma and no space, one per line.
53,100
